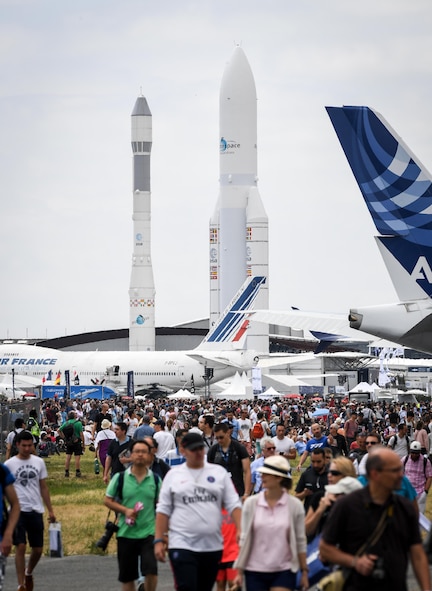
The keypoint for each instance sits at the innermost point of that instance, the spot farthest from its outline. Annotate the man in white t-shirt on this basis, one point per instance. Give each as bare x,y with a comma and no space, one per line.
30,484
189,511
284,445
164,439
244,432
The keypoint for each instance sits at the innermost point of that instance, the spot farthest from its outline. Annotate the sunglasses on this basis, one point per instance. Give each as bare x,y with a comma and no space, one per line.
269,448
335,472
371,442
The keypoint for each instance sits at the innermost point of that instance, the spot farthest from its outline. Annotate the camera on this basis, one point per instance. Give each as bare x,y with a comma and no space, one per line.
110,529
378,572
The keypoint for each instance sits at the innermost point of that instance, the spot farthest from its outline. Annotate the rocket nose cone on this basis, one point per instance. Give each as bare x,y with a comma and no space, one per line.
141,107
237,76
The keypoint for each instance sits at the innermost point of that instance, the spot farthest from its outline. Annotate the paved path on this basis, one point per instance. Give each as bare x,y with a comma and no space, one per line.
81,573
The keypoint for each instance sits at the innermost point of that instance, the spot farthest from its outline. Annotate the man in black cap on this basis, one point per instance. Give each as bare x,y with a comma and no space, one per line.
189,512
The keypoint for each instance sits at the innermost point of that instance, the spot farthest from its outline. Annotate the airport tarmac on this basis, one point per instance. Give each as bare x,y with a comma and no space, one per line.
79,573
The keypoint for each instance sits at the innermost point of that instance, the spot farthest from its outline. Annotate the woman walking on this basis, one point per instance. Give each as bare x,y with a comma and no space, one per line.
273,539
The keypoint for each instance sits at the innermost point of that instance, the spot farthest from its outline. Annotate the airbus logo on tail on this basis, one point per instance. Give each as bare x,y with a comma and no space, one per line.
422,270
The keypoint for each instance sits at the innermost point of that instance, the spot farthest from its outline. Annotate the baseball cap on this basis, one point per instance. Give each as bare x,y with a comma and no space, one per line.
415,446
192,441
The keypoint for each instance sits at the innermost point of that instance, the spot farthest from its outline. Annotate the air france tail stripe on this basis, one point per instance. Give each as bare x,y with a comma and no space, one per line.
242,330
232,322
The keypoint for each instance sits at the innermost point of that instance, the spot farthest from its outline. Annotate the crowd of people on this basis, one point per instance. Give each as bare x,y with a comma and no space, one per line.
209,484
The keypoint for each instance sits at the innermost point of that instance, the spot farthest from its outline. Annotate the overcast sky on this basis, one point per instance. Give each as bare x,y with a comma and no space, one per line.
70,75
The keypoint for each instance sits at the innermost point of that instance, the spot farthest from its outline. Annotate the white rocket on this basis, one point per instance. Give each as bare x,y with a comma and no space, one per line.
142,289
239,225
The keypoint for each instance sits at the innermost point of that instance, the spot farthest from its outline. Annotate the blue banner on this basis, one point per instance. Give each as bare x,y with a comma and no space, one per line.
130,384
78,392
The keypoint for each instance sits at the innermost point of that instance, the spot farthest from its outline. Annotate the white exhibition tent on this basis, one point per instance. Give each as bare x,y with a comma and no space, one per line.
270,393
362,387
183,395
238,390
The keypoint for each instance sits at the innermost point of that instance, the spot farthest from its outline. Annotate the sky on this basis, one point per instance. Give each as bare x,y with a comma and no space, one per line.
70,75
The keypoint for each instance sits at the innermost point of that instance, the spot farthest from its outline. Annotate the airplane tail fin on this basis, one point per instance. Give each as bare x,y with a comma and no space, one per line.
397,189
230,331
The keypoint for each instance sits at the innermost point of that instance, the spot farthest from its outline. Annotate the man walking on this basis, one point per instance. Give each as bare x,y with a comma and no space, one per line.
285,446
418,470
318,440
400,442
231,455
382,563
164,439
313,479
32,491
115,462
11,448
268,449
190,512
7,491
132,495
72,433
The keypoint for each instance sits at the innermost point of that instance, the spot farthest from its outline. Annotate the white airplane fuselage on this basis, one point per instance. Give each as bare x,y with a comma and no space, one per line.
173,369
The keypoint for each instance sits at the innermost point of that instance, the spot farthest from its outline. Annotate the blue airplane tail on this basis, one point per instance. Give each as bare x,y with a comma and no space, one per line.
232,326
397,190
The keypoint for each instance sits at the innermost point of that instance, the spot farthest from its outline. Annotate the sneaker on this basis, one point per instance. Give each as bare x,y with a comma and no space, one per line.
66,473
28,582
78,473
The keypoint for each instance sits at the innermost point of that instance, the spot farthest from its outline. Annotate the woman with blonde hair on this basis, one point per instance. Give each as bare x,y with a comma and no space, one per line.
273,540
321,502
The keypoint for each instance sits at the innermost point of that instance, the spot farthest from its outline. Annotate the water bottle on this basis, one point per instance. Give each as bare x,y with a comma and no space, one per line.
96,466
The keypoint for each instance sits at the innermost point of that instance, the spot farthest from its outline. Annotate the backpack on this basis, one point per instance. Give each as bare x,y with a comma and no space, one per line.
425,460
257,431
68,432
394,437
119,496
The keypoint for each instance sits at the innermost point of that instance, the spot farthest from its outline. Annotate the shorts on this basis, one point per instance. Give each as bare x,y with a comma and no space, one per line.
74,448
130,551
226,572
194,571
30,523
256,581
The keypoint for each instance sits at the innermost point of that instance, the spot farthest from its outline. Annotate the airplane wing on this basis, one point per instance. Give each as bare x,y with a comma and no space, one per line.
331,324
217,360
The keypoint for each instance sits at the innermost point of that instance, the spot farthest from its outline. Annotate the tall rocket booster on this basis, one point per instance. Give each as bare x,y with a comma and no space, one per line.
239,225
142,289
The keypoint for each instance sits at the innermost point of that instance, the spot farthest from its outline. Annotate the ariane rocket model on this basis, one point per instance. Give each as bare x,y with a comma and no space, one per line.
239,225
142,289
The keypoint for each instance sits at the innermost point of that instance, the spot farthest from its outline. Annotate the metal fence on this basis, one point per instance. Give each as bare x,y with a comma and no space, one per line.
11,410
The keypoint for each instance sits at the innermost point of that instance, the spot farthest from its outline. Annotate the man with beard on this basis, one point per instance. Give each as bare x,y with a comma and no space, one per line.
374,532
313,478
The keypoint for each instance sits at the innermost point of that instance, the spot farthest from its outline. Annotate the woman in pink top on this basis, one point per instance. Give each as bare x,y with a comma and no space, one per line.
273,538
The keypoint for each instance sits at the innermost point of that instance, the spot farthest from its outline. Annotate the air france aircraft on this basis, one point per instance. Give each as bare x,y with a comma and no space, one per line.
220,355
397,189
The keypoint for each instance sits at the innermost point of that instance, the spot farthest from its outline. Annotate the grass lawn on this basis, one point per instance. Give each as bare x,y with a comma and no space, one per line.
78,504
